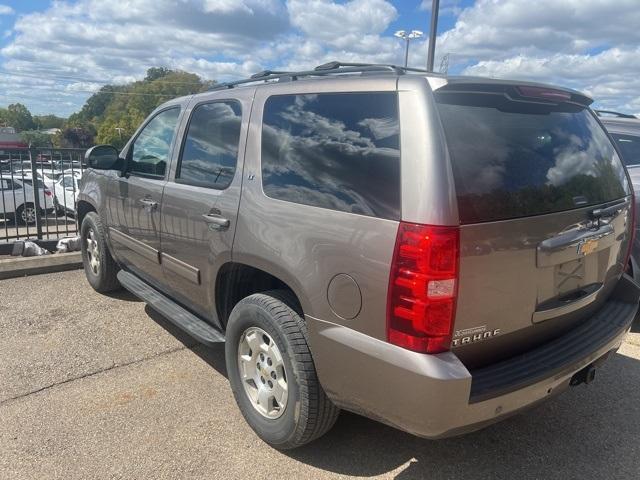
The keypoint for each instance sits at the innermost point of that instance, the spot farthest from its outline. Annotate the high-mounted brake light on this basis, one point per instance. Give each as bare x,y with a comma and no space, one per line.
423,287
544,93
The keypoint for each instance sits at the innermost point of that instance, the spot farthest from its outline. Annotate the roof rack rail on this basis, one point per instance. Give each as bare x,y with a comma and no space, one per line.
330,68
600,113
335,65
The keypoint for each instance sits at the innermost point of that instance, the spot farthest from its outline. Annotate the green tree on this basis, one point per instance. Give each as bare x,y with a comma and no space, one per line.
78,136
129,106
114,112
45,122
34,138
19,117
155,73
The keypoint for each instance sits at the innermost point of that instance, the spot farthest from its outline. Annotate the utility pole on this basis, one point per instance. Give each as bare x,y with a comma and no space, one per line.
407,37
119,129
435,7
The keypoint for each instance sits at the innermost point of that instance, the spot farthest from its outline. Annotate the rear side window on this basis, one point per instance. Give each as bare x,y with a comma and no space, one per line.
629,146
336,150
210,150
516,159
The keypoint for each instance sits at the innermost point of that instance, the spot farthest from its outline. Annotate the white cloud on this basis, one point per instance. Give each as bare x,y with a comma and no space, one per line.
117,41
611,77
83,87
589,45
6,10
226,6
332,21
500,28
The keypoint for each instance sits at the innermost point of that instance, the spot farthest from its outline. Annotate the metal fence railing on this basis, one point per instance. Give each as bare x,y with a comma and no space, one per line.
38,189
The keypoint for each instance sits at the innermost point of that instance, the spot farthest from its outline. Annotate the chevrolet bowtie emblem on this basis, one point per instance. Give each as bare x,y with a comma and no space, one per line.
585,247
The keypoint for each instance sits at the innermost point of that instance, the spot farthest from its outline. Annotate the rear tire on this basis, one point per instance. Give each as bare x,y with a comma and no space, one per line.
307,413
99,266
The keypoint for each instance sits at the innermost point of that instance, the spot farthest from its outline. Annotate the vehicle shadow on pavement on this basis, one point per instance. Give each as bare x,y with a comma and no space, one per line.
214,356
123,294
587,432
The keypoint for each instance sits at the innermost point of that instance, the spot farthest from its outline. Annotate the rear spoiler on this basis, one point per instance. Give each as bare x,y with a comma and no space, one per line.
522,92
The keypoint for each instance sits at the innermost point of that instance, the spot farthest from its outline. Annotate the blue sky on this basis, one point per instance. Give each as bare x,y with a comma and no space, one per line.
54,54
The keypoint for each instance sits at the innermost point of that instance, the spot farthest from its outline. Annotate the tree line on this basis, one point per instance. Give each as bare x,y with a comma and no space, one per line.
110,116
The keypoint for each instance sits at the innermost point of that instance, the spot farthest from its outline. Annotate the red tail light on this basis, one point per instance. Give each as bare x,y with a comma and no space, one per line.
47,193
423,287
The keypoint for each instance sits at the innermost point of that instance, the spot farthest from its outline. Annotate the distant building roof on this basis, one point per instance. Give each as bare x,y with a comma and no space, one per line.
50,131
10,139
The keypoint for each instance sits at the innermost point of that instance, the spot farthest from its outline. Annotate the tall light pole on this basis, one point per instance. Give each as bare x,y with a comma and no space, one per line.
407,37
435,7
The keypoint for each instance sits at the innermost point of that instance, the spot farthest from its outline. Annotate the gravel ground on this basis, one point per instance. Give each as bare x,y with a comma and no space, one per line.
93,386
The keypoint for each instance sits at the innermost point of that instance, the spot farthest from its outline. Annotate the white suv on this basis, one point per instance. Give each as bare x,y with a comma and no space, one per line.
17,199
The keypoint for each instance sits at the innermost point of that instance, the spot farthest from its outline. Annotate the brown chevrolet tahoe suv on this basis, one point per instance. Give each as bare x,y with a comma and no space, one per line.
432,252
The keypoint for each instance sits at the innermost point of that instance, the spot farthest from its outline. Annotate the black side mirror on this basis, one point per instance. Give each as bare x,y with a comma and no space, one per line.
103,157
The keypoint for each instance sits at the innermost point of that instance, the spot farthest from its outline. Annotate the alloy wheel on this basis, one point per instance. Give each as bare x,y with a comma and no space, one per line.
28,215
93,251
262,372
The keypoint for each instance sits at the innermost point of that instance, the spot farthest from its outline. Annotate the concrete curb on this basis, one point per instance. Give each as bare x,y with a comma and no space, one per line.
24,266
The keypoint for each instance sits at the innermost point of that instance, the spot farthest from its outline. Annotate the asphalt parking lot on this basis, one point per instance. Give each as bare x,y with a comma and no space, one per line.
93,386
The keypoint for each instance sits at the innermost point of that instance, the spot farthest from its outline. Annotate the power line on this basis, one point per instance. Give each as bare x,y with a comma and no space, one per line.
68,78
113,92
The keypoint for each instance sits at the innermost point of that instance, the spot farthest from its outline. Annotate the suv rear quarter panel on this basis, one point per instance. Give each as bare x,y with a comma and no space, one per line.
307,246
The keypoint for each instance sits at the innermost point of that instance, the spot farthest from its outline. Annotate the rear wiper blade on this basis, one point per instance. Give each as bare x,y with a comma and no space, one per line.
609,211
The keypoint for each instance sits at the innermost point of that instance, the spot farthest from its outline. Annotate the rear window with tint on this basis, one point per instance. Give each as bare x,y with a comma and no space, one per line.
629,146
516,159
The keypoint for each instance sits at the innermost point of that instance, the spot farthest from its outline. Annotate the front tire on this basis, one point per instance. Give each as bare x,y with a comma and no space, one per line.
27,214
99,266
272,374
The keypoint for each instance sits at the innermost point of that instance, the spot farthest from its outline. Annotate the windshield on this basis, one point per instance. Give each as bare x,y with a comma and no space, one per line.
515,159
29,181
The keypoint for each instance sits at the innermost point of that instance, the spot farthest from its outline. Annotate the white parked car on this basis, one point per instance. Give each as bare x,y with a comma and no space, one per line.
17,201
49,177
66,190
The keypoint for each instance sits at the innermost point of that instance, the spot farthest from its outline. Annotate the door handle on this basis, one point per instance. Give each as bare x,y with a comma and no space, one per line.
216,221
148,204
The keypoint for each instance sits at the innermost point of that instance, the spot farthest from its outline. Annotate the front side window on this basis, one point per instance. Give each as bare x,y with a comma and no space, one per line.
150,151
629,146
210,150
334,150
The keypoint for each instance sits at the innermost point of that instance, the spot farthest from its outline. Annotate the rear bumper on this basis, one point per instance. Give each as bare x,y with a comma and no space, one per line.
436,396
